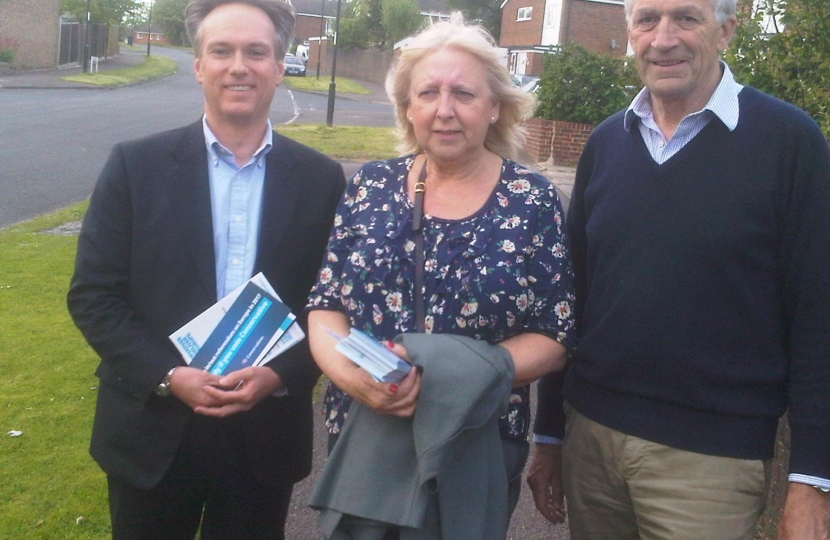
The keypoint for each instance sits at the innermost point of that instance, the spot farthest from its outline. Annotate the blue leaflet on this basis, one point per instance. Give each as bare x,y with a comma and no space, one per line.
245,332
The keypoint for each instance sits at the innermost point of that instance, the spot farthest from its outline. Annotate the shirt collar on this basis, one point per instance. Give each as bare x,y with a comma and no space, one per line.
723,102
217,150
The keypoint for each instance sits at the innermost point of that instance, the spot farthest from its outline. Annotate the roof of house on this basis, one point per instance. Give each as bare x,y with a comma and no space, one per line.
313,7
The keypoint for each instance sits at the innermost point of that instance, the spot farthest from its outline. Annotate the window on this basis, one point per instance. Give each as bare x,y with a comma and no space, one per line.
524,14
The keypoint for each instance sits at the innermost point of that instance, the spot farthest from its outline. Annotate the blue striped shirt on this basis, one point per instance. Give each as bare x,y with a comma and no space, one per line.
236,205
723,104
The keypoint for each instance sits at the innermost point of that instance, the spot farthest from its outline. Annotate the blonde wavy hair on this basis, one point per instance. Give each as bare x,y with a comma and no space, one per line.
505,136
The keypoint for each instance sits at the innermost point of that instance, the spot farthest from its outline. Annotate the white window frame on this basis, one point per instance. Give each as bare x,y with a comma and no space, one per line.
524,13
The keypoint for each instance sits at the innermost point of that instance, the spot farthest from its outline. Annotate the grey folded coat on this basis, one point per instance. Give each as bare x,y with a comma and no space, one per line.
439,474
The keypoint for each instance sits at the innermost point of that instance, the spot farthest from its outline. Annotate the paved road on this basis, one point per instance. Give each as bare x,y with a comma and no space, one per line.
53,142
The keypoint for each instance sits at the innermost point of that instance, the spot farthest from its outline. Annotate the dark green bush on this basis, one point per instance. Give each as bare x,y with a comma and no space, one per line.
6,55
581,86
793,65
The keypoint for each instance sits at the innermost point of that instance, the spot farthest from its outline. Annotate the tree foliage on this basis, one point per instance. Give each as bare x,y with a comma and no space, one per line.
169,16
110,12
401,18
485,12
585,87
371,12
353,33
793,61
137,17
377,23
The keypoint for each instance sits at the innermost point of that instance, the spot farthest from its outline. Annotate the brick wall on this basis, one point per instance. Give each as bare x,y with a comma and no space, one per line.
364,65
538,137
307,27
561,142
567,141
594,25
522,33
536,63
31,29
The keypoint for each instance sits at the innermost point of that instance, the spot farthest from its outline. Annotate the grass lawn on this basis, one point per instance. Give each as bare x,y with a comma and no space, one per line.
49,486
351,143
311,83
152,68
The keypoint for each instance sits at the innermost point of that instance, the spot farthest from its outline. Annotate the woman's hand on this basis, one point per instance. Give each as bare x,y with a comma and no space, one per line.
398,399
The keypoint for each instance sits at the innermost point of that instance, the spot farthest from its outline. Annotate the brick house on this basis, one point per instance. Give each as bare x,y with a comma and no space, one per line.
309,13
156,35
530,27
31,30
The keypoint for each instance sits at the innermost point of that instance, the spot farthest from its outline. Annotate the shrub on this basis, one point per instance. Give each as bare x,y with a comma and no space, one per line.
585,87
6,55
353,34
791,64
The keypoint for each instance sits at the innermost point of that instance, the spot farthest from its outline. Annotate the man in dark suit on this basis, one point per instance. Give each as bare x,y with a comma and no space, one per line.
176,221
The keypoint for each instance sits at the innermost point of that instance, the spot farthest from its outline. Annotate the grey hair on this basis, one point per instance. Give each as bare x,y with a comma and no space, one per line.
505,136
281,13
723,10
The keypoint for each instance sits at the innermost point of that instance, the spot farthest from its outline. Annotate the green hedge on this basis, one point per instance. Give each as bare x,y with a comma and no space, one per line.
581,86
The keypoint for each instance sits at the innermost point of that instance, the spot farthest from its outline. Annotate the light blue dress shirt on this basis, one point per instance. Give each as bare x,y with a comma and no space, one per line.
236,207
723,104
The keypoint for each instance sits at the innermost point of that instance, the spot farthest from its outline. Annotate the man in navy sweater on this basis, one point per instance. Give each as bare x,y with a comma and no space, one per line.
700,232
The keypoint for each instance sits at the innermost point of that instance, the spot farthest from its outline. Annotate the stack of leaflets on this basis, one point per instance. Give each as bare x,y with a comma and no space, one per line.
381,363
248,327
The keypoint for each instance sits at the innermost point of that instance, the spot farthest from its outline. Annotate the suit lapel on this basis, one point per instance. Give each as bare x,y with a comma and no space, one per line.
280,195
191,196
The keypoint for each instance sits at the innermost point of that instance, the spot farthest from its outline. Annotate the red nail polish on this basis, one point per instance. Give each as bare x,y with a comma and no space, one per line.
390,344
393,388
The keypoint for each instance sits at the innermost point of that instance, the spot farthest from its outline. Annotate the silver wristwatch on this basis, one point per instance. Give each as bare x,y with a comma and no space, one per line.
163,388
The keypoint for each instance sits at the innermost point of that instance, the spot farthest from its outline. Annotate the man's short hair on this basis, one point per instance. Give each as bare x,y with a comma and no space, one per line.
281,13
723,9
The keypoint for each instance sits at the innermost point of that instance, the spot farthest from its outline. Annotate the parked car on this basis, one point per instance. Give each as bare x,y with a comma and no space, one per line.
531,85
294,66
528,83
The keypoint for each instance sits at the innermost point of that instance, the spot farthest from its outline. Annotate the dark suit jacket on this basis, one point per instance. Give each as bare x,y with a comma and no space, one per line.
145,266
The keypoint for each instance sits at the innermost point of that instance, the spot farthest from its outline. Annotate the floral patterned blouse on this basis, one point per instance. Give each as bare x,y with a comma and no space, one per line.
499,272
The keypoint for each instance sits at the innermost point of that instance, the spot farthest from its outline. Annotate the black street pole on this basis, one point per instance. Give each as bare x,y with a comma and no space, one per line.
320,43
86,40
149,27
332,84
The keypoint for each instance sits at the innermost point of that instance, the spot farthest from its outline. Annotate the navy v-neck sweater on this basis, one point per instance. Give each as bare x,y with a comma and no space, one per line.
703,286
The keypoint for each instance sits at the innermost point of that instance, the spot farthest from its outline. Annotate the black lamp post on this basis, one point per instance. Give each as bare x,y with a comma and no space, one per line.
320,43
86,39
332,84
149,27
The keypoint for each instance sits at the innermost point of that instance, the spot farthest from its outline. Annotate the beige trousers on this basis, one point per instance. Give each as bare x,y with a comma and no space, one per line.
620,487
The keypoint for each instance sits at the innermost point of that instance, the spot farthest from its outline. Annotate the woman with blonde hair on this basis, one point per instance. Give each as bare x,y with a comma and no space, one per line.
458,253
